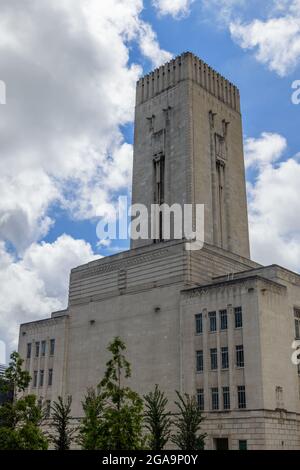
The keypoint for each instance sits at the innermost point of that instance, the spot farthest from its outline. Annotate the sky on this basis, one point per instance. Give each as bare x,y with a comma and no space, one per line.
68,71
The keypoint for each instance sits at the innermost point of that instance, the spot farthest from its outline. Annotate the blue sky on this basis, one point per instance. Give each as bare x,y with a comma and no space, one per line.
67,127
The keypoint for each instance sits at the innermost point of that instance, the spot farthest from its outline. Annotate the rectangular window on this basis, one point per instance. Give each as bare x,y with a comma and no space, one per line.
238,317
50,377
226,398
223,319
52,347
214,399
43,348
240,356
214,359
241,396
297,323
41,378
225,358
37,349
28,351
199,326
212,321
200,399
242,445
199,361
35,378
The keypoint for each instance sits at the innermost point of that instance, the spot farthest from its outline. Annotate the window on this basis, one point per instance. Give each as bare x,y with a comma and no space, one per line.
41,378
224,358
37,349
297,323
223,319
200,399
50,377
213,359
241,396
52,347
226,398
240,356
212,321
214,399
199,326
199,361
238,317
28,351
43,348
48,409
35,378
242,445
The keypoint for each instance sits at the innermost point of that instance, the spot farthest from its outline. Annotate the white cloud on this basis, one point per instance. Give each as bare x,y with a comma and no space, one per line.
274,202
264,150
175,8
33,287
276,40
68,93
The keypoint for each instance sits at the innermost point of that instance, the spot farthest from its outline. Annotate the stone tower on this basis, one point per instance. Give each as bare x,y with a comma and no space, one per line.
188,148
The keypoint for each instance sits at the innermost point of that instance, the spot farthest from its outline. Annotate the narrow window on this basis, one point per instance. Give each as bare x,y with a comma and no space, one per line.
37,349
28,350
212,321
241,396
213,359
35,378
200,399
48,409
240,356
199,361
238,317
52,347
226,398
243,445
297,323
199,326
50,377
215,398
41,378
43,348
224,358
223,319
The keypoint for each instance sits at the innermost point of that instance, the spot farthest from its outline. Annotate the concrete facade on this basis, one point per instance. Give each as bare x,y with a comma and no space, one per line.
187,121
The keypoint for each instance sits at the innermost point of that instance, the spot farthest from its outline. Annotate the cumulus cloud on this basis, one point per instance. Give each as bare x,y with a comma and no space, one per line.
274,202
276,40
37,284
175,8
68,93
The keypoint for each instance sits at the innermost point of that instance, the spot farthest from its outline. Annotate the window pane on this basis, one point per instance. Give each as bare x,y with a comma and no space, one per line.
50,377
41,378
240,356
199,361
215,398
35,378
28,350
241,396
43,348
212,321
242,445
223,319
37,349
224,358
226,398
238,316
199,328
200,399
52,347
213,359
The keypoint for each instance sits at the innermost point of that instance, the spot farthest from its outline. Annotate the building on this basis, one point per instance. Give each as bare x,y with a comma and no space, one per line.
209,322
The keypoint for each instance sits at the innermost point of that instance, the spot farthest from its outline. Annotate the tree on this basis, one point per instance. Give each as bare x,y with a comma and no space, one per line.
20,419
188,421
91,425
61,422
158,420
123,409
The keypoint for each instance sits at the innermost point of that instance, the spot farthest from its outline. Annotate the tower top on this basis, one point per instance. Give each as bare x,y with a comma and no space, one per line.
187,66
